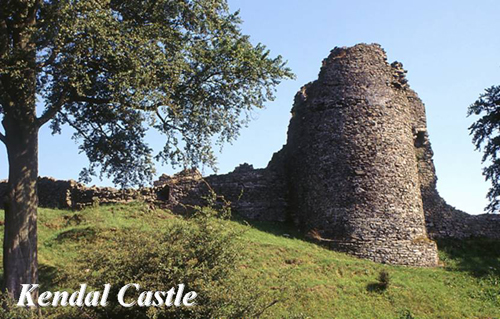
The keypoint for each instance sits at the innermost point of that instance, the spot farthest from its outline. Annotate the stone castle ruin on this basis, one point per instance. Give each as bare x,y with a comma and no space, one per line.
356,170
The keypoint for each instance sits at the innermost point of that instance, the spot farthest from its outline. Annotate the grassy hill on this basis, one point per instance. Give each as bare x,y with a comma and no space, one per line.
318,283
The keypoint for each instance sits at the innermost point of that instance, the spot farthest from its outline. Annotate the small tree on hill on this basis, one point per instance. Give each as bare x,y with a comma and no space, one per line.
486,135
111,70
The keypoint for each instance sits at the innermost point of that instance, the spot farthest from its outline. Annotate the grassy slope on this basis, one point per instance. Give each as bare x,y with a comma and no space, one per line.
322,283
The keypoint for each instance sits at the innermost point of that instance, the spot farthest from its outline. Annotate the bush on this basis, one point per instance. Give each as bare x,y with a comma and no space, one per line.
199,252
384,280
9,310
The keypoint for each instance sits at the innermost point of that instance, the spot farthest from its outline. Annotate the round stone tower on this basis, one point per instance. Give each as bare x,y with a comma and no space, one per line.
350,160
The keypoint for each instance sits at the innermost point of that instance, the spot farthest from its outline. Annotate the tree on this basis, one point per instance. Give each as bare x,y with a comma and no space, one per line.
486,133
112,70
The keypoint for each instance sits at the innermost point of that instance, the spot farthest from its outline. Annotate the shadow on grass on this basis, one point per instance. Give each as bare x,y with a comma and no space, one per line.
280,229
376,287
87,233
480,257
47,276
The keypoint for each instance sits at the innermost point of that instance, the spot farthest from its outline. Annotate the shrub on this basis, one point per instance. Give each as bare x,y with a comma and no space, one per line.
9,310
384,279
200,252
406,314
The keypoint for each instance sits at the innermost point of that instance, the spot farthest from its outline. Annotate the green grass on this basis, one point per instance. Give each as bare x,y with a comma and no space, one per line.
320,283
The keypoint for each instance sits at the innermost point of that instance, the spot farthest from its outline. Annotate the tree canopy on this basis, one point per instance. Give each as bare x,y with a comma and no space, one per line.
486,137
114,69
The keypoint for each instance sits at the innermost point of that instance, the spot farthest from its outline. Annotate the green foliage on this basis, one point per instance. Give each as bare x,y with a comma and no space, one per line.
114,69
384,279
200,253
485,135
274,260
8,309
406,314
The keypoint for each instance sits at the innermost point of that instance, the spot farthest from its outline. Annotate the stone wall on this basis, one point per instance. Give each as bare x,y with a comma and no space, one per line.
442,220
62,194
257,194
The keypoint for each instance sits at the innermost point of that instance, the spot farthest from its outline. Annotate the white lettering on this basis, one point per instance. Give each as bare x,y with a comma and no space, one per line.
78,295
121,295
178,296
92,299
170,295
188,297
44,299
159,300
105,295
145,299
59,295
81,298
26,295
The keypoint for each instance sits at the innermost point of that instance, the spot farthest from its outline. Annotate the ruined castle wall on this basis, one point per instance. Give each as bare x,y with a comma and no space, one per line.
64,194
256,194
442,220
350,160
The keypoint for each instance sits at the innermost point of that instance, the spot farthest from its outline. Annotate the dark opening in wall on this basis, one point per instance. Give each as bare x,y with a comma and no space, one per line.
420,139
165,193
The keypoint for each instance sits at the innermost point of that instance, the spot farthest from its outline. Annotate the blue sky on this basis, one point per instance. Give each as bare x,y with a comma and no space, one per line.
451,50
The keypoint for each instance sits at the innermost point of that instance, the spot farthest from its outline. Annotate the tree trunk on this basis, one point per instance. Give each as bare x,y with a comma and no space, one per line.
21,139
20,236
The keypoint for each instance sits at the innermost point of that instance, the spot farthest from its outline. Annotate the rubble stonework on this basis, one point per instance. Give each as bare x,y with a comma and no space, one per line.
350,160
70,194
357,170
257,194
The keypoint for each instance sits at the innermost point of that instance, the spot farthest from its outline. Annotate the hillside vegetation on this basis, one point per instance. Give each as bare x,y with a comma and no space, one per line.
292,278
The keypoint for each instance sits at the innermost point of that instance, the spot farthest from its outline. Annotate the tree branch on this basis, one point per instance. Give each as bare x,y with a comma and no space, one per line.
52,111
74,126
49,114
165,123
3,139
31,18
6,97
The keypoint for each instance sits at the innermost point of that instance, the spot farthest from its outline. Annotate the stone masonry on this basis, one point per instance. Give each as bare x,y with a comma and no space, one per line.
350,160
356,173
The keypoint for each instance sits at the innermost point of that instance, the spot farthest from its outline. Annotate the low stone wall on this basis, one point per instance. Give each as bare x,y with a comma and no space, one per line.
70,194
257,194
444,221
